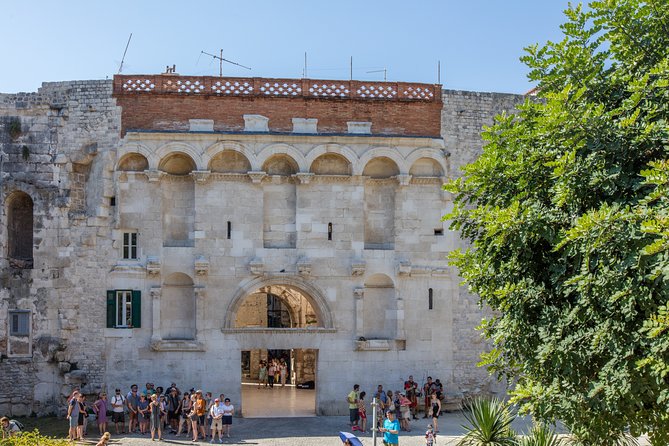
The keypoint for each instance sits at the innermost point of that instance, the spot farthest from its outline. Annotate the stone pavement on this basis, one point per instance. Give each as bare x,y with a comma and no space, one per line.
313,431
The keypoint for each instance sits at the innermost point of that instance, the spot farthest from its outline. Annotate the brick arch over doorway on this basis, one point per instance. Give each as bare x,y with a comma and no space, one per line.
314,295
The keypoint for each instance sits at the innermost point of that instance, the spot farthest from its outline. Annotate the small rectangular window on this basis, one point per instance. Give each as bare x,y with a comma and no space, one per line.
112,201
439,231
329,231
19,322
229,230
130,245
430,299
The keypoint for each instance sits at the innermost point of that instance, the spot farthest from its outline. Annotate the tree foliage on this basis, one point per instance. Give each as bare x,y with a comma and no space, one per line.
567,212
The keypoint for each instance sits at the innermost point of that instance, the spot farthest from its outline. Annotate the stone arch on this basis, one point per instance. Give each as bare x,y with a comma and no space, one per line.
133,162
338,149
284,149
178,307
229,161
19,210
163,151
314,295
177,163
225,146
139,149
378,152
280,164
381,167
331,164
379,280
426,158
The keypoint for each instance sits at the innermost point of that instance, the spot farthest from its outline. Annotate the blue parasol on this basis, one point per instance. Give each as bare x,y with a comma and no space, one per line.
355,441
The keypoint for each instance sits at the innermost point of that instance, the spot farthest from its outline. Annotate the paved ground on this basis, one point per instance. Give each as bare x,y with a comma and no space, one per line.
311,431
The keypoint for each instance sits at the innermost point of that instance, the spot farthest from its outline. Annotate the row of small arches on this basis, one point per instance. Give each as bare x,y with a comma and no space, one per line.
178,159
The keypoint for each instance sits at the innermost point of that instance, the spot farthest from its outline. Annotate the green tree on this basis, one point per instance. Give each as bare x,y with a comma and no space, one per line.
568,218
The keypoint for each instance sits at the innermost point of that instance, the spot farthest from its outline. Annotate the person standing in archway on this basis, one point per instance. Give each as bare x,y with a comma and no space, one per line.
262,374
283,370
271,372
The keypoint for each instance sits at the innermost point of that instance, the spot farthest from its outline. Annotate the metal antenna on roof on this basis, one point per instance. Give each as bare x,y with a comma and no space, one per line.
120,67
385,73
221,60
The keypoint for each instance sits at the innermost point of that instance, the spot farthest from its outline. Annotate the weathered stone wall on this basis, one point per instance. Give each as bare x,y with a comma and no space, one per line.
60,158
464,115
89,186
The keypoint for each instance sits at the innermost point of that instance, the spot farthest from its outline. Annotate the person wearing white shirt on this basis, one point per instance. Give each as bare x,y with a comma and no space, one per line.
228,412
216,412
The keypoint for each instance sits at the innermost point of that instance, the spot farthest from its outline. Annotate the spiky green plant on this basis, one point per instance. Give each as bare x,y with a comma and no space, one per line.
541,435
488,423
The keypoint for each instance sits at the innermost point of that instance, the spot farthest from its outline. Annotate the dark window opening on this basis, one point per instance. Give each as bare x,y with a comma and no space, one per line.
439,231
329,231
19,322
20,230
112,201
278,315
229,230
430,301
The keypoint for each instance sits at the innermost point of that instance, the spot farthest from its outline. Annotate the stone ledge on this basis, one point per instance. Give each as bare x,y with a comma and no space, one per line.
380,345
177,346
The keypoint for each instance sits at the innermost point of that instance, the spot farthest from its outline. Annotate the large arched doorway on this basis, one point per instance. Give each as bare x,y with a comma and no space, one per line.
284,311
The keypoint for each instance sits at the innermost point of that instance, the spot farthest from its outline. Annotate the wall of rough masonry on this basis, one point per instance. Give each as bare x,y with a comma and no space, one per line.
60,158
70,159
463,117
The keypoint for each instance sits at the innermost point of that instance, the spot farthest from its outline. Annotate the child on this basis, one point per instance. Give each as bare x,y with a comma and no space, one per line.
104,439
362,412
430,436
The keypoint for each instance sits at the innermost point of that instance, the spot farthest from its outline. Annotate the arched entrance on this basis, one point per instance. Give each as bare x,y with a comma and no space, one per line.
276,321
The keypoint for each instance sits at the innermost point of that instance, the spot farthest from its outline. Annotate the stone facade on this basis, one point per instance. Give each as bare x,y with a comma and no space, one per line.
159,217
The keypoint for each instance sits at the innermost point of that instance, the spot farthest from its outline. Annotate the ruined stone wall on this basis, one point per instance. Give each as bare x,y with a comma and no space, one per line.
462,120
67,133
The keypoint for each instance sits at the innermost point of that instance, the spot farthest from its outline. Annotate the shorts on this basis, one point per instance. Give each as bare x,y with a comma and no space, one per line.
171,415
353,414
118,417
227,419
73,420
201,420
216,423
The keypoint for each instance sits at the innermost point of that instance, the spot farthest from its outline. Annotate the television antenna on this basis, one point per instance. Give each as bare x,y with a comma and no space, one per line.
221,60
385,73
120,68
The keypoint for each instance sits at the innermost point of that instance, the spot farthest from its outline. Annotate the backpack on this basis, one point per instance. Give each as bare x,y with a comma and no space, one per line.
18,424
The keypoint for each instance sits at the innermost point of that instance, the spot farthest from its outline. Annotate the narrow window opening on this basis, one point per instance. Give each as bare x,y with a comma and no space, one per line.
123,309
329,231
19,323
430,301
112,201
229,230
130,245
439,231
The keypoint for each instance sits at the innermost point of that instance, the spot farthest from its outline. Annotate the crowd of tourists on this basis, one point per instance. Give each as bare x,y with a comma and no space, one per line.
273,371
154,411
398,407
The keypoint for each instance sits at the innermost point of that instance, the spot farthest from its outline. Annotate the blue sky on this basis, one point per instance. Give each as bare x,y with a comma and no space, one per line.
477,41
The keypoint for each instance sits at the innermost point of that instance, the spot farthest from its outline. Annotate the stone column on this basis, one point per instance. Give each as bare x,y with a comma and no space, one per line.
155,293
359,309
200,295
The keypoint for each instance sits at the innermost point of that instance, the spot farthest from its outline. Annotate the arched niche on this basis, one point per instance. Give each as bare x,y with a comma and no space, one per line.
331,164
177,164
381,167
19,208
276,306
133,162
426,167
177,308
230,161
313,295
280,164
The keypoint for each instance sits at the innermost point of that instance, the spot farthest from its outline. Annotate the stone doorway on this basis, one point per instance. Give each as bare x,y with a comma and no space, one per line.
290,400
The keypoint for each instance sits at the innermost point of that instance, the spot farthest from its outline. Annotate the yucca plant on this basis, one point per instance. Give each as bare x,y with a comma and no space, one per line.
488,423
541,435
33,438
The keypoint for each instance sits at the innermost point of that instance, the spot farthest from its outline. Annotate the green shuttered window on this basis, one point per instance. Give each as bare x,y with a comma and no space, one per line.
124,309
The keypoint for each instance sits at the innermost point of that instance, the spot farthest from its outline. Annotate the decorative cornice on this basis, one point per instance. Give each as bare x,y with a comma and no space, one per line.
201,176
403,179
177,346
257,177
358,268
201,266
426,180
304,178
153,265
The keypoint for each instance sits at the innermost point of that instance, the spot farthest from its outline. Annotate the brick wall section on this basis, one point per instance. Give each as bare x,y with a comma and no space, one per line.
160,110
